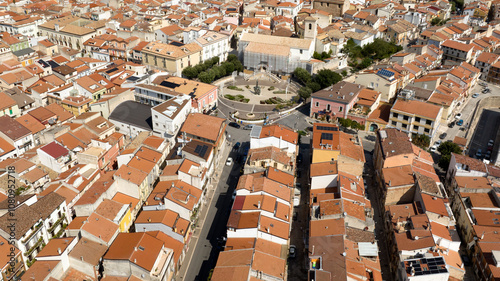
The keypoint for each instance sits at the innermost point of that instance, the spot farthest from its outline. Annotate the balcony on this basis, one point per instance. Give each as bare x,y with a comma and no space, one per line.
37,227
32,249
61,219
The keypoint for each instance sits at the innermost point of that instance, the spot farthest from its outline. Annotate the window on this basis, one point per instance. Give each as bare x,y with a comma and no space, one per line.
428,122
317,104
328,107
417,119
310,26
427,130
301,52
394,123
415,128
405,117
341,108
395,115
405,126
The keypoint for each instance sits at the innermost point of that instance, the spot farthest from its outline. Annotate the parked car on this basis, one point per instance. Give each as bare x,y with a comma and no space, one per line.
443,136
234,124
434,148
458,116
491,142
248,127
237,146
293,251
475,95
487,156
452,124
229,161
438,143
479,153
460,122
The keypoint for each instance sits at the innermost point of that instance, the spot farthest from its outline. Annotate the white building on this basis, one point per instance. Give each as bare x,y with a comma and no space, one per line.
169,116
36,231
214,45
56,157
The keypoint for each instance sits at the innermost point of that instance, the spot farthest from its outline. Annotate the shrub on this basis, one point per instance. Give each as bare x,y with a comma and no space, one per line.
234,88
271,88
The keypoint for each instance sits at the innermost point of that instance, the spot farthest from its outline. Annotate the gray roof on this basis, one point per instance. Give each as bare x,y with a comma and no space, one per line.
23,52
133,113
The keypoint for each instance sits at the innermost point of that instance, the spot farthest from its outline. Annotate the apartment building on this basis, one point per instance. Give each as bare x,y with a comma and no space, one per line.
415,117
172,57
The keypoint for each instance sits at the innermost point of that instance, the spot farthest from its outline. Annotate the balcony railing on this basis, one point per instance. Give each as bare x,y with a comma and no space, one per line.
56,223
32,249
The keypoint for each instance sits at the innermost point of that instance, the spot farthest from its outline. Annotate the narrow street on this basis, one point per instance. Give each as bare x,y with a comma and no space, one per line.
204,247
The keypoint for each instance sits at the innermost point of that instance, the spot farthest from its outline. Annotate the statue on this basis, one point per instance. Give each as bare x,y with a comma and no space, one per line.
256,88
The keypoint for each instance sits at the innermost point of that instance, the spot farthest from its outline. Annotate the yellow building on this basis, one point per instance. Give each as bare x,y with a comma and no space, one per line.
173,57
76,104
116,212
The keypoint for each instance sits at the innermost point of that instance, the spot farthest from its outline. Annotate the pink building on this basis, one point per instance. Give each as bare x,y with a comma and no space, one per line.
335,101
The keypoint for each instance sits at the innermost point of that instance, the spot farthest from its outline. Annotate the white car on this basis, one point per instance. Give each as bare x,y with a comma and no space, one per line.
434,148
229,161
491,143
458,116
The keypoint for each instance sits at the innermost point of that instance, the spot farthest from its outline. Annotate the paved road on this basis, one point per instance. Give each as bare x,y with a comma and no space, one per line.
467,110
486,129
204,247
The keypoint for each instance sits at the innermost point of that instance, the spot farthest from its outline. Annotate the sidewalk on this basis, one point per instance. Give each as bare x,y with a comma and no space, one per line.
203,210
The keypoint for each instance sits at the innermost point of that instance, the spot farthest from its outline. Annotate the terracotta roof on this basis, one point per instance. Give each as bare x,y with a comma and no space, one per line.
141,249
204,126
326,227
100,227
281,132
88,250
417,107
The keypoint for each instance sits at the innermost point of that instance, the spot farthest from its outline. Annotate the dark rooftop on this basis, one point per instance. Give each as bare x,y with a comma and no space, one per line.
133,113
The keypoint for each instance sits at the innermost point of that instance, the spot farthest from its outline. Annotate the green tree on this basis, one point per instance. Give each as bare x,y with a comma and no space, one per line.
229,66
304,92
238,66
207,76
317,55
344,73
232,58
326,78
446,148
190,72
303,75
215,60
313,86
422,141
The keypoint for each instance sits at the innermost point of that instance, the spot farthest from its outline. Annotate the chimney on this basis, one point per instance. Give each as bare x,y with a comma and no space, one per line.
258,205
59,251
81,258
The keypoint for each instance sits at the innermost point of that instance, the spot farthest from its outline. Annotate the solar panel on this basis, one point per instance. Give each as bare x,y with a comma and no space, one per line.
169,84
203,151
325,128
175,43
197,149
112,70
326,136
385,72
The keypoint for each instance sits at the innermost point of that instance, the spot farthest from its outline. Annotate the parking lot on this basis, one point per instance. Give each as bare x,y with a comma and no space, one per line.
484,136
467,114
